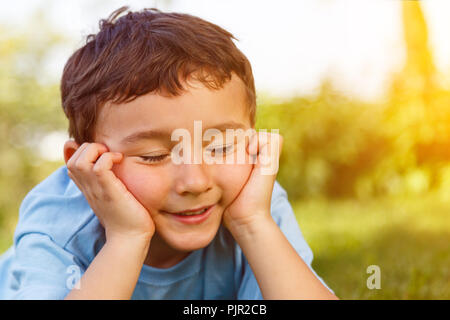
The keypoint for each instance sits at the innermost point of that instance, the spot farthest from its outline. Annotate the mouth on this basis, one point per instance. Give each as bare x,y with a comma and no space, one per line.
192,216
191,212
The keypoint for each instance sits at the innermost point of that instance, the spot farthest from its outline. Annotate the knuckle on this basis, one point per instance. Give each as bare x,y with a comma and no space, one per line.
89,146
70,165
99,166
84,146
95,196
106,155
100,146
79,165
97,170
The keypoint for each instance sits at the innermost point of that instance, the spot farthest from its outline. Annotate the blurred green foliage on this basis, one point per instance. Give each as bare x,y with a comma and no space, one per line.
328,144
338,147
28,110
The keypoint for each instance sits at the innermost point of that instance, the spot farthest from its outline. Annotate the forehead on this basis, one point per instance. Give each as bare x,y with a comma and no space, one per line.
162,113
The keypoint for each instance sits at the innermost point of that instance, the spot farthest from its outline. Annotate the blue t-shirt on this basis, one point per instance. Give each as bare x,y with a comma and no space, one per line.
58,236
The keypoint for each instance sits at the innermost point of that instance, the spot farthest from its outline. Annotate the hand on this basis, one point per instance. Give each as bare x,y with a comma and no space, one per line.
253,202
119,212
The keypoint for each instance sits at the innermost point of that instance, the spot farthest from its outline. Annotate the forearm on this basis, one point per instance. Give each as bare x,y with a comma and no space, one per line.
280,272
114,272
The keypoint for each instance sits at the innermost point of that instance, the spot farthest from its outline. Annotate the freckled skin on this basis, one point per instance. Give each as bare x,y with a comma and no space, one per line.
165,185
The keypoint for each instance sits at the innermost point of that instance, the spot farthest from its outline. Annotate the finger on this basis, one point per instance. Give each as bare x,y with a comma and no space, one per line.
73,159
269,143
89,156
105,176
269,149
73,178
252,147
253,144
265,170
275,143
106,161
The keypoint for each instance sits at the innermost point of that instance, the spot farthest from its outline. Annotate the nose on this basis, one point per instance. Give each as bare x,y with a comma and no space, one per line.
192,178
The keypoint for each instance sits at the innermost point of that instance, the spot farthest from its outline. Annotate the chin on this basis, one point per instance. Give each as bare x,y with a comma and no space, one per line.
190,241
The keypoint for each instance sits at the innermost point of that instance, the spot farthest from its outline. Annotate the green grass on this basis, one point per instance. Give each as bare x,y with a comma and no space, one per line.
407,238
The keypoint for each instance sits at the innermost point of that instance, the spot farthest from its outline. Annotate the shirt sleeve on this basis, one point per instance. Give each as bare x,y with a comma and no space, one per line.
284,217
41,269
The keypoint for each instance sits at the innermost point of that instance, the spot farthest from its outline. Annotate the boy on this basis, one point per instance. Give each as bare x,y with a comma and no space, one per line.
122,220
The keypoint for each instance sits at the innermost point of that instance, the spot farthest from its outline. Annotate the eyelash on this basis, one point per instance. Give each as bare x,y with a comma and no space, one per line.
228,147
153,159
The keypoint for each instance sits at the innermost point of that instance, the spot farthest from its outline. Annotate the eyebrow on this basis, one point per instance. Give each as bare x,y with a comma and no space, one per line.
158,134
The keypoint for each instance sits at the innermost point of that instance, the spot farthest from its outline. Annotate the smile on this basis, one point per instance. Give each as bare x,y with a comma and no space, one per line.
190,212
195,216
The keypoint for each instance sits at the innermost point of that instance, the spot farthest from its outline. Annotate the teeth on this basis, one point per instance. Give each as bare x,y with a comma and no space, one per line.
192,212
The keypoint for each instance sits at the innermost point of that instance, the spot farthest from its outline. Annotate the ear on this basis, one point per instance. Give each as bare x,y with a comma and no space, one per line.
69,149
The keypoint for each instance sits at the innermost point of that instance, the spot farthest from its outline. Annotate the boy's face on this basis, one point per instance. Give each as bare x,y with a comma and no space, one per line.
164,187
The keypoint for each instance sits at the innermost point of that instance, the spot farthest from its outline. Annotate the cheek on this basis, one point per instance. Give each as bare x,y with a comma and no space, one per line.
231,179
148,184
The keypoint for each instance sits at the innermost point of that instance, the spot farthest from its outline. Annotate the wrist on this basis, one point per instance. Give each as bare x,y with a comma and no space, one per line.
131,249
114,272
139,241
253,226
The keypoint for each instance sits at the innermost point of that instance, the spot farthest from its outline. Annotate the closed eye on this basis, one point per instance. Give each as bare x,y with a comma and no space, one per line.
222,149
159,158
153,158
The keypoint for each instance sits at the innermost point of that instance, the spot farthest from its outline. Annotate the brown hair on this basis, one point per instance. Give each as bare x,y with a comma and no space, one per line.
143,52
